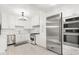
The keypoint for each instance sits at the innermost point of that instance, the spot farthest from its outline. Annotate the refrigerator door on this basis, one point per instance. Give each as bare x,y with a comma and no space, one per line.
0,29
54,33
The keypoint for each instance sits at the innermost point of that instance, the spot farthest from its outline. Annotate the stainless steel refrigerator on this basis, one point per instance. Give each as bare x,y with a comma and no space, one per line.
54,33
0,29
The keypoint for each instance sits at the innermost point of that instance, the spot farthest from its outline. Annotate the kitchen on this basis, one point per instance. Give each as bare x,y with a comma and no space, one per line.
34,25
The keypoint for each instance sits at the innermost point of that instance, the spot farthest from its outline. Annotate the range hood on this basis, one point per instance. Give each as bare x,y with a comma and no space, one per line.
23,18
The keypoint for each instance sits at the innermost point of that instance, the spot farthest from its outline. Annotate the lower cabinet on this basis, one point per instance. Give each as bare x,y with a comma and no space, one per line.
21,38
38,39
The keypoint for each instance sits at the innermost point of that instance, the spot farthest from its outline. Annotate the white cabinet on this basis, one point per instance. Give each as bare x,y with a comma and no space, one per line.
21,38
35,20
20,34
27,24
5,22
8,21
38,39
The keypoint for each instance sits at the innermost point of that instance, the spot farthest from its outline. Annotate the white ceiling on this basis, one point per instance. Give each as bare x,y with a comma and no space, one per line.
31,8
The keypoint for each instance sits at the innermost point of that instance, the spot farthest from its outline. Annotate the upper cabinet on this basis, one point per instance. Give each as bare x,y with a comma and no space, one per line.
7,21
28,24
35,20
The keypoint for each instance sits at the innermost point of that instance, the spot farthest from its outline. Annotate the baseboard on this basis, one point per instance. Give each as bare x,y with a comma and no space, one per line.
11,44
21,43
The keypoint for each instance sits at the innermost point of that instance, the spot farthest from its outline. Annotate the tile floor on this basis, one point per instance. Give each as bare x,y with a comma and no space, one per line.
28,49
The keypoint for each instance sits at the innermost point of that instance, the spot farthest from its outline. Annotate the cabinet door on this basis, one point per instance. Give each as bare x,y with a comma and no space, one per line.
18,39
35,20
38,39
